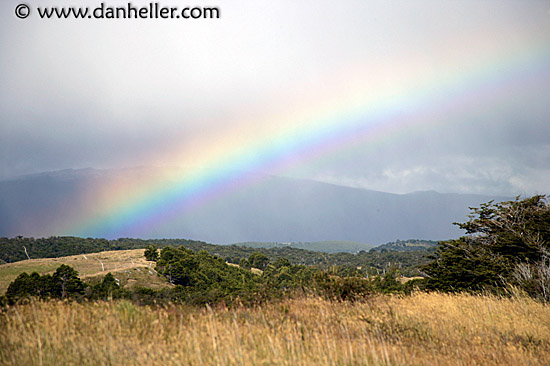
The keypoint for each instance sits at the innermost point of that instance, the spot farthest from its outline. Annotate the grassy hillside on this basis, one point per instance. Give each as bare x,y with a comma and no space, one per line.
128,266
423,329
17,249
408,245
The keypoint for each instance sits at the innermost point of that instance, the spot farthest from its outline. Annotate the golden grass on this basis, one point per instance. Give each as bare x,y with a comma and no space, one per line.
423,329
129,266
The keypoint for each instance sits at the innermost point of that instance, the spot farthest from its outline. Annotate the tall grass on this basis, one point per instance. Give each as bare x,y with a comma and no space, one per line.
423,329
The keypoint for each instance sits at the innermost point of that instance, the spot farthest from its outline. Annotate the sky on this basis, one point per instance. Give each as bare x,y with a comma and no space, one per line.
395,96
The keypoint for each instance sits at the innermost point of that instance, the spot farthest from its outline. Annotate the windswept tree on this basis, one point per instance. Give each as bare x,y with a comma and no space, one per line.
506,243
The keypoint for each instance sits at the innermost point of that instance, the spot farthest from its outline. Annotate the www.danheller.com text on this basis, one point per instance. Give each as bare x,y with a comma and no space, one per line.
153,10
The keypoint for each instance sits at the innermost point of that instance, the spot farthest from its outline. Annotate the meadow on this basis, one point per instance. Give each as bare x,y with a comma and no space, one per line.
421,329
129,266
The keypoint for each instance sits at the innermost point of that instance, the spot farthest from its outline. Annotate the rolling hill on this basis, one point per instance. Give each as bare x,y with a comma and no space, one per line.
407,245
128,266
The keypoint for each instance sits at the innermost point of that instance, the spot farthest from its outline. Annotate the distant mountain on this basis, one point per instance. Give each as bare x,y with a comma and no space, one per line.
273,209
327,246
408,245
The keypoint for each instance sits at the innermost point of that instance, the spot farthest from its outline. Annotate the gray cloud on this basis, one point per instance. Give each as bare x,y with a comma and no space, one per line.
114,93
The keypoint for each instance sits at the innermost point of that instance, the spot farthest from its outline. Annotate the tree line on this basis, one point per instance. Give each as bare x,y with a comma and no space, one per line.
200,278
506,246
371,262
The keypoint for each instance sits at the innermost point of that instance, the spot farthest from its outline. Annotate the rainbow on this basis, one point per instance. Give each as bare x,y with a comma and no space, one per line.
231,160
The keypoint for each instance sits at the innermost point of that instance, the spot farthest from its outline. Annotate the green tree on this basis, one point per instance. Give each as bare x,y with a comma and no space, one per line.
204,278
65,282
243,263
23,286
506,243
151,253
258,260
107,288
62,284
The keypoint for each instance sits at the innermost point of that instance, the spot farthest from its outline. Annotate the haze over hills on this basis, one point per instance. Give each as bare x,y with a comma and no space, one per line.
337,246
274,209
327,246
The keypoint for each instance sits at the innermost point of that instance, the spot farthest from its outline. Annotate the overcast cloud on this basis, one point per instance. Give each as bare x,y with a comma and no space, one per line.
118,93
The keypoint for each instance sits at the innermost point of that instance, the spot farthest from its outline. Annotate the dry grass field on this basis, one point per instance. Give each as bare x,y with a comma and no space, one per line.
129,266
422,329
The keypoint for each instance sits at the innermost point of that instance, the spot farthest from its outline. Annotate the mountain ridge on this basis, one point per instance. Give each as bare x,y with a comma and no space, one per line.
274,209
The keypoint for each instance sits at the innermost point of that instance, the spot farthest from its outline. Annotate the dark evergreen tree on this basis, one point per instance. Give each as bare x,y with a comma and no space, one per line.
506,243
108,288
151,253
62,284
65,282
258,260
